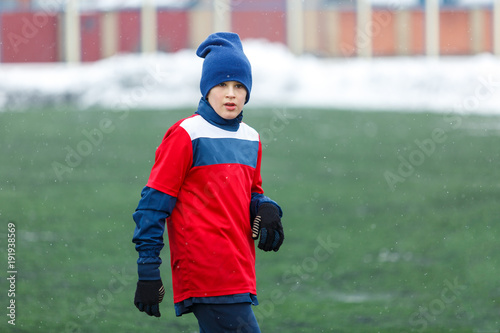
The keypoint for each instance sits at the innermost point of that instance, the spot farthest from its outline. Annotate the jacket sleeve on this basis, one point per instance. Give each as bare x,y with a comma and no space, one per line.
173,159
257,200
154,207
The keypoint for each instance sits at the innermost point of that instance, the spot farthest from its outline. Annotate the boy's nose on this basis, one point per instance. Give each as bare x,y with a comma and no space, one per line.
230,92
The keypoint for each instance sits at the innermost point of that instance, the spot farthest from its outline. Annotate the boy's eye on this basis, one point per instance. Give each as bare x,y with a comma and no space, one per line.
222,84
239,86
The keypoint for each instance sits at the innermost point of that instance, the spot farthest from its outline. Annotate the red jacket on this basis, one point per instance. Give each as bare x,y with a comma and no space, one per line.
212,167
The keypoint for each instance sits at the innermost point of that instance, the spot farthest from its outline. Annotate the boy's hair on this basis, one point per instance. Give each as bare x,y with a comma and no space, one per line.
224,61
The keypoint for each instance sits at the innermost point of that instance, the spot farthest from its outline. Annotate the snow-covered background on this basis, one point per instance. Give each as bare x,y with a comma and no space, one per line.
280,79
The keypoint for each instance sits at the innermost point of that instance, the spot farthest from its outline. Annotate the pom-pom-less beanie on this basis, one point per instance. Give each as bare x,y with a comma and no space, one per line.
224,61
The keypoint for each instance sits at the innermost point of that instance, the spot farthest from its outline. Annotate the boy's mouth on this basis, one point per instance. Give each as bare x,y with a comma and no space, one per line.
230,106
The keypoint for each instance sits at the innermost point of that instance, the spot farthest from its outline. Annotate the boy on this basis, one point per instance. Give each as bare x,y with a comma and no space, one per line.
206,186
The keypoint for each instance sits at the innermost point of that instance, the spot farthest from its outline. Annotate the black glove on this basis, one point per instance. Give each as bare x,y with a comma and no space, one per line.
148,297
268,223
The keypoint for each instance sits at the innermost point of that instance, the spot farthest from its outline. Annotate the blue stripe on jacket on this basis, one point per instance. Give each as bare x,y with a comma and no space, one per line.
209,151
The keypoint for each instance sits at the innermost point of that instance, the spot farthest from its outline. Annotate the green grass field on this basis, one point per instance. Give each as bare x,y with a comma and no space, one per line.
390,221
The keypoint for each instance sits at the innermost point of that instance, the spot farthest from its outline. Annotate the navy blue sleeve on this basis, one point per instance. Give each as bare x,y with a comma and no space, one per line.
257,200
154,207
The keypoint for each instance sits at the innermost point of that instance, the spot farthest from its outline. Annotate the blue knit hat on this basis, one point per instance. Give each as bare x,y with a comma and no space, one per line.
224,61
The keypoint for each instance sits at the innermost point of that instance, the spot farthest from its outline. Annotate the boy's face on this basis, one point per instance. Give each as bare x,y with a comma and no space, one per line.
227,99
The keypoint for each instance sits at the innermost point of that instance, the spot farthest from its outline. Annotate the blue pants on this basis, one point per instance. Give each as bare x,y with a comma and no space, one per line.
226,318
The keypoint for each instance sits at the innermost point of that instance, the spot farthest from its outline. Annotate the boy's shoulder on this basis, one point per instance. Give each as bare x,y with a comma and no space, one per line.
176,127
181,121
249,129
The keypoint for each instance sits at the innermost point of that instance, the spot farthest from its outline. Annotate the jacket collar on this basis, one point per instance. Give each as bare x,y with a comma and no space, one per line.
208,113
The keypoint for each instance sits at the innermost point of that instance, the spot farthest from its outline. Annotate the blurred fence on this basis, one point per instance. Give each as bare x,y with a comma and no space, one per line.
72,30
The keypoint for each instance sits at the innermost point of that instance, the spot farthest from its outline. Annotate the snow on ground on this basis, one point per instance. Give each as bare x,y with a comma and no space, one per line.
280,79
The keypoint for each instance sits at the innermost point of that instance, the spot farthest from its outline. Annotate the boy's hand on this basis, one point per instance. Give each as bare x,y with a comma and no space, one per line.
148,296
268,223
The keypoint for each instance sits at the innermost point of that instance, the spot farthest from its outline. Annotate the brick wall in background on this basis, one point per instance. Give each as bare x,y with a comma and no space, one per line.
29,37
38,36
